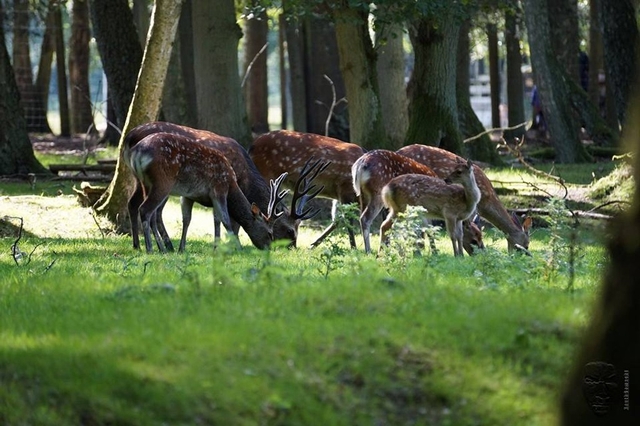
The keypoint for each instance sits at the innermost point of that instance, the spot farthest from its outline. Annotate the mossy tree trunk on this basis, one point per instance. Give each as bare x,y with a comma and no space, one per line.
433,110
515,85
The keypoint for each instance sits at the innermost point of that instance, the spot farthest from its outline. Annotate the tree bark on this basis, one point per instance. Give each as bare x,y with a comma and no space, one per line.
145,105
481,148
43,78
120,51
433,111
553,86
185,33
81,107
563,24
515,84
358,66
16,151
294,36
221,107
391,83
256,93
621,38
494,75
61,70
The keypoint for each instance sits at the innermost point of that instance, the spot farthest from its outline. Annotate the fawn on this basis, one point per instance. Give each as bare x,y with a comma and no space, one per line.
286,151
441,198
490,207
166,164
372,171
249,179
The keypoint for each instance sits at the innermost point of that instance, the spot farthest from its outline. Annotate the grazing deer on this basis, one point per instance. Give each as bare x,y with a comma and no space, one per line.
372,171
490,207
441,198
166,164
249,179
286,151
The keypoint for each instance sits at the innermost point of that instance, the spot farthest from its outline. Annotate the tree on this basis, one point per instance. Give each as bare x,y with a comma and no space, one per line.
145,105
61,68
391,82
515,84
620,37
494,74
600,386
563,26
16,151
81,108
256,94
433,111
552,82
120,51
221,108
358,67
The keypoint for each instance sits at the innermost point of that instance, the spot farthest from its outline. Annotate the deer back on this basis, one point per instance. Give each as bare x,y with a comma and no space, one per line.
282,151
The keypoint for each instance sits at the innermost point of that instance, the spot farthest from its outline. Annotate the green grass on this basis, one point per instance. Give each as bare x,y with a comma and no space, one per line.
95,333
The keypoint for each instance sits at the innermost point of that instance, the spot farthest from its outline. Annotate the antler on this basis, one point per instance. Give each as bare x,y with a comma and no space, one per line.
301,196
276,198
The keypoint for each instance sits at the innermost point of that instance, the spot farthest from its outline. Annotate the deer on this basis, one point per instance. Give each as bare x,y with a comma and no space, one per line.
249,179
166,164
372,171
283,150
443,199
490,207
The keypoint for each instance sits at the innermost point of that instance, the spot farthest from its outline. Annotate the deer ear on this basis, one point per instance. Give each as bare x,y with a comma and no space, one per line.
469,163
255,210
526,224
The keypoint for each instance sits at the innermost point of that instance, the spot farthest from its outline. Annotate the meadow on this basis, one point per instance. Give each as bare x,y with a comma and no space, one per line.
93,332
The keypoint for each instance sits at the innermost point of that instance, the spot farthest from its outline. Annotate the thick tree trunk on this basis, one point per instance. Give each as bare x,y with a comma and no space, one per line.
494,75
117,40
256,93
553,85
621,38
81,107
145,105
185,33
433,110
515,84
358,66
481,148
282,72
61,71
391,83
16,152
596,59
563,23
221,107
603,385
43,78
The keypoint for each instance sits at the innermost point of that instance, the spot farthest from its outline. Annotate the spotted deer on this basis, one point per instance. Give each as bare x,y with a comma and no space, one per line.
372,171
443,199
286,151
490,207
169,164
249,179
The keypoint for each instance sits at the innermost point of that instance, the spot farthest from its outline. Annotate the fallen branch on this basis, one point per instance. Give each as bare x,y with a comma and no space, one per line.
575,213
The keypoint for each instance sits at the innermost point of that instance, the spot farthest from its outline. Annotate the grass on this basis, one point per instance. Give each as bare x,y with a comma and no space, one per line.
93,332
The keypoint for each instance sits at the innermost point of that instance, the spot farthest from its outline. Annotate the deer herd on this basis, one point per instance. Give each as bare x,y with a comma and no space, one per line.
247,188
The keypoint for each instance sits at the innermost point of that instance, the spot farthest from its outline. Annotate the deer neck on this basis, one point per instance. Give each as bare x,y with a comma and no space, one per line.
471,191
492,210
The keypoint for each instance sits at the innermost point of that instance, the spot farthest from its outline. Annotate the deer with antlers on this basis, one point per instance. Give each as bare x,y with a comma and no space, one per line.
442,199
166,164
286,151
490,207
372,171
249,179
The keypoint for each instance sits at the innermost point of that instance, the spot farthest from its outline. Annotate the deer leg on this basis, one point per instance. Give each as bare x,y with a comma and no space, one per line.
221,211
384,228
186,205
159,223
366,218
147,210
324,235
133,206
458,233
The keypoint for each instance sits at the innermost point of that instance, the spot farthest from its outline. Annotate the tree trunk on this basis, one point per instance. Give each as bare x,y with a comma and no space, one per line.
620,37
553,86
481,148
293,32
30,98
358,66
43,78
81,107
391,83
515,84
282,71
185,32
16,151
221,107
494,75
563,23
61,69
433,111
145,105
602,386
596,59
256,93
120,51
